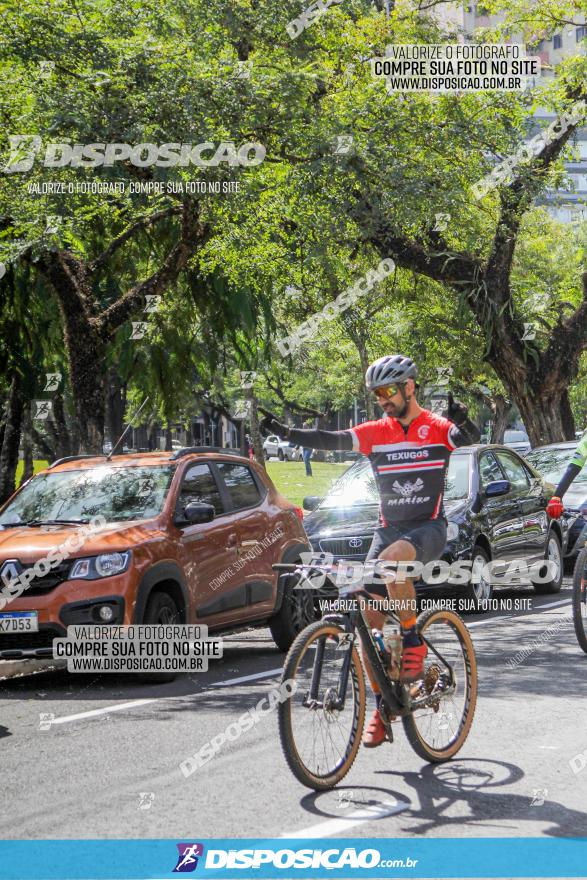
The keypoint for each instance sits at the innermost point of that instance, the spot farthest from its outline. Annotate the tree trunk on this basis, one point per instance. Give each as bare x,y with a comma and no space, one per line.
543,416
86,360
368,396
115,405
27,446
500,409
63,443
11,440
256,438
168,439
567,415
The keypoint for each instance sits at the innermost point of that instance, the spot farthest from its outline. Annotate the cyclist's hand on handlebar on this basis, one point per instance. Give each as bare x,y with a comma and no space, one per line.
270,425
456,411
555,507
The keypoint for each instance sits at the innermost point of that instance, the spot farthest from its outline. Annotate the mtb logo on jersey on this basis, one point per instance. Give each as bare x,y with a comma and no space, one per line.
407,489
409,467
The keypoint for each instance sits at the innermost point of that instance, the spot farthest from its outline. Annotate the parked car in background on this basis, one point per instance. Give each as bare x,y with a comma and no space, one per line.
517,440
274,446
551,462
177,524
495,506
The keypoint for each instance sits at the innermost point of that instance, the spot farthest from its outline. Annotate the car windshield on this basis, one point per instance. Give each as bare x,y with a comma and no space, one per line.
116,493
552,463
456,484
357,485
515,437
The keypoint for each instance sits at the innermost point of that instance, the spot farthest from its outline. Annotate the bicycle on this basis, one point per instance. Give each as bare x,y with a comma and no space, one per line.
325,712
580,599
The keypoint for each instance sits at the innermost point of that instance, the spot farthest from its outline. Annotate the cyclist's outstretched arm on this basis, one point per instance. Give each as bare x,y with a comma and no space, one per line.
309,437
574,467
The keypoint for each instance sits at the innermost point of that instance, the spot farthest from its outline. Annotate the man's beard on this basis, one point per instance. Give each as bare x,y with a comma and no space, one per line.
398,413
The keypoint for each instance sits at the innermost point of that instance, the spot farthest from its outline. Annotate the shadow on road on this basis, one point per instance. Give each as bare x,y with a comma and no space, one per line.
465,793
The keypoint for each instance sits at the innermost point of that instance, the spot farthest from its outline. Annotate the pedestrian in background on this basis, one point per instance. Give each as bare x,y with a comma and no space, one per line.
307,453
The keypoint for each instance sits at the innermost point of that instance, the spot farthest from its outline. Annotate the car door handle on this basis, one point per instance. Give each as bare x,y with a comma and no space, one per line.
249,543
232,541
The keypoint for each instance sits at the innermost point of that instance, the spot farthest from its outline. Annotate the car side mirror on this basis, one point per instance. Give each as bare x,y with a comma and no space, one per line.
497,487
311,502
197,512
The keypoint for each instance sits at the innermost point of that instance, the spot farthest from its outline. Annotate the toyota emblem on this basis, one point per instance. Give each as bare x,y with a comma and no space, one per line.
356,542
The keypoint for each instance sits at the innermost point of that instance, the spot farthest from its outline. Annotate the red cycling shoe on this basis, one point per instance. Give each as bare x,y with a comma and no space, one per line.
375,733
413,663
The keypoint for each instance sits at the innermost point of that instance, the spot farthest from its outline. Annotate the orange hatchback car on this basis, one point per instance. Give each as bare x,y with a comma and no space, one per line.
187,537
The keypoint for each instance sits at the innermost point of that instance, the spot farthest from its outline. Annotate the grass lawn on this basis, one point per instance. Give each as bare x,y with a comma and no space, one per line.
38,465
291,480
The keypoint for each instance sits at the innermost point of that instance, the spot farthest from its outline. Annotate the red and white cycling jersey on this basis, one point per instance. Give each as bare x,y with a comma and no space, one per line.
410,466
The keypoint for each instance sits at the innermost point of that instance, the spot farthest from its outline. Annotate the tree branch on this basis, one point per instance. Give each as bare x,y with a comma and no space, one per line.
193,233
140,223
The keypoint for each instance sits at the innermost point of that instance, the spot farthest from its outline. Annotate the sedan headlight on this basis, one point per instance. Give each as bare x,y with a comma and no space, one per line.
104,565
452,532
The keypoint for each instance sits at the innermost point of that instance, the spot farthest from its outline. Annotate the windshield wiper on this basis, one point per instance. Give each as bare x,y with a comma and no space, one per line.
46,522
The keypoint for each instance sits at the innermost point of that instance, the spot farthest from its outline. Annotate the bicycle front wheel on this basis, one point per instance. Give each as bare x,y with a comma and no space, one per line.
321,722
443,701
580,599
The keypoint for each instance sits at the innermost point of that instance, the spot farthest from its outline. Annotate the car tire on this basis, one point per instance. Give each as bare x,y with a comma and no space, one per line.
280,454
476,594
161,608
294,615
553,551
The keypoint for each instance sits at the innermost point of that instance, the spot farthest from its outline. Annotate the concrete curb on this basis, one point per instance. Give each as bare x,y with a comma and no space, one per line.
18,668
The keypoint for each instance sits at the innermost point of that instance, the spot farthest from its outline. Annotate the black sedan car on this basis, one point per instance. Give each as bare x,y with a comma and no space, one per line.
551,462
494,502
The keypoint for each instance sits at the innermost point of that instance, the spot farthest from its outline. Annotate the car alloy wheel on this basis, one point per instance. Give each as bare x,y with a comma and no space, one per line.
553,554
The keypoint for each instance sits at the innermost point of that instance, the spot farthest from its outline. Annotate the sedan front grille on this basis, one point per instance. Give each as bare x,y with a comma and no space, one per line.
353,546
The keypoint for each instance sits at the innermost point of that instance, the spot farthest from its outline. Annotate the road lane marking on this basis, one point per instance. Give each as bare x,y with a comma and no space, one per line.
253,677
118,707
93,713
516,616
358,817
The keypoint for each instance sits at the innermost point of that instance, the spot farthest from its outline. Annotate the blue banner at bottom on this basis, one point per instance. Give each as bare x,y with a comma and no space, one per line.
231,858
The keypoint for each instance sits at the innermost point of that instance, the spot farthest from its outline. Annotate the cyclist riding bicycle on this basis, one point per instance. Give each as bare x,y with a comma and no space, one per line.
409,450
555,507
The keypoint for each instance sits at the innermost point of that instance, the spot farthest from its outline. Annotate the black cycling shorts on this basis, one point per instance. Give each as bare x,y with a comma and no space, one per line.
428,537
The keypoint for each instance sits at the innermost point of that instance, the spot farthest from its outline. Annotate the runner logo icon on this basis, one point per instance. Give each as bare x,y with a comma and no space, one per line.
187,860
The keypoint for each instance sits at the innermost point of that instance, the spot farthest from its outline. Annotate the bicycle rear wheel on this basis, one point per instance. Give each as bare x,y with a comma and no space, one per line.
580,599
319,736
443,701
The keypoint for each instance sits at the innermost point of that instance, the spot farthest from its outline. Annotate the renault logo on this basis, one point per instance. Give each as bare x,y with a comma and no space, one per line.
356,542
10,570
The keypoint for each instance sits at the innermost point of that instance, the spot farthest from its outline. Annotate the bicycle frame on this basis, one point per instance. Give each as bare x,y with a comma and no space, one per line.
391,692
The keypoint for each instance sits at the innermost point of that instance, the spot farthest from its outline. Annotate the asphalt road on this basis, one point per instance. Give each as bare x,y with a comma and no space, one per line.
107,765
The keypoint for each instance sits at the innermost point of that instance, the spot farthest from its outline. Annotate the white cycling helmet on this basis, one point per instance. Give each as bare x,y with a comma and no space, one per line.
389,369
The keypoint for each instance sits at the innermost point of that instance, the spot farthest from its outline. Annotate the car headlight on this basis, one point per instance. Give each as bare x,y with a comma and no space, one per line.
452,532
104,565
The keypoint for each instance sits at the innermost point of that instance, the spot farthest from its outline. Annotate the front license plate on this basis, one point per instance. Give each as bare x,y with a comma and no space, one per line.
19,621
